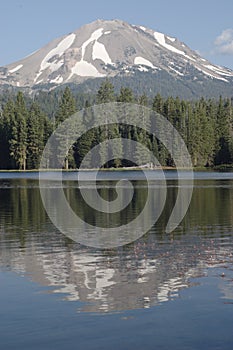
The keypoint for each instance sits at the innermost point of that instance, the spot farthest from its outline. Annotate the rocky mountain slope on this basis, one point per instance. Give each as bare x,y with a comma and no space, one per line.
115,49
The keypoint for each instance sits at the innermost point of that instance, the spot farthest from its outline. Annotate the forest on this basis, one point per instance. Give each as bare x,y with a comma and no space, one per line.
26,123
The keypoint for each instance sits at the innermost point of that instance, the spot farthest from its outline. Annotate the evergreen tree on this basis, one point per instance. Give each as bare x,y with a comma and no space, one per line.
205,125
6,122
224,131
142,152
143,100
18,141
105,93
158,104
126,95
85,143
35,136
67,108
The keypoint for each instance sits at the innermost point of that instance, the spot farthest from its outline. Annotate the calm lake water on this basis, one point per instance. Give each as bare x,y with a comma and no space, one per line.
163,291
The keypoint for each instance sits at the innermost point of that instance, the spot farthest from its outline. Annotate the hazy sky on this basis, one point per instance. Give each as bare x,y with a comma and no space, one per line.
205,26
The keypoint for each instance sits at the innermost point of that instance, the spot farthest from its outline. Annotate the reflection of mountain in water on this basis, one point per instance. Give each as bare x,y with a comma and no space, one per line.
140,276
145,273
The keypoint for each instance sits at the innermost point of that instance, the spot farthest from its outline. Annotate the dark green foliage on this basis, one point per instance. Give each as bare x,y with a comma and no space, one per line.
105,93
6,123
24,132
39,130
160,82
206,126
86,141
18,140
126,95
67,106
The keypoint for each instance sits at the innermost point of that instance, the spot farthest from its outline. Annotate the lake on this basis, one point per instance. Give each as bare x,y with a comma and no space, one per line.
162,291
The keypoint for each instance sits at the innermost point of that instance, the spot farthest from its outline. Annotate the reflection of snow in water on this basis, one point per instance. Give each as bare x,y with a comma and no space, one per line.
138,278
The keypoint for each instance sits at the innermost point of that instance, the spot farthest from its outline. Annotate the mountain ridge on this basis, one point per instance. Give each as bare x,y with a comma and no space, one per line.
118,50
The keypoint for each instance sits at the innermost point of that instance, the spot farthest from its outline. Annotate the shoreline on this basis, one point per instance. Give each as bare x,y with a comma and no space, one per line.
228,167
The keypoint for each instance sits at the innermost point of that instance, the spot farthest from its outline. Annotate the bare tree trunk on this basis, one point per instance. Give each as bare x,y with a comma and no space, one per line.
24,164
66,163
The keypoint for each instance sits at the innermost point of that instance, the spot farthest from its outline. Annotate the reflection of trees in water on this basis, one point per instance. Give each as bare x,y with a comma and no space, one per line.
138,276
145,273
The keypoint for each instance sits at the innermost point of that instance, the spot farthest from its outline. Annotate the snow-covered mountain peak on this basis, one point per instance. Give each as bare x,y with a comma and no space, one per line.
107,49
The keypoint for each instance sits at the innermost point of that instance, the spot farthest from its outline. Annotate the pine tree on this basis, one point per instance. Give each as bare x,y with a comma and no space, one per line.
224,131
126,95
35,137
142,152
143,100
86,141
158,104
105,93
18,141
6,122
67,108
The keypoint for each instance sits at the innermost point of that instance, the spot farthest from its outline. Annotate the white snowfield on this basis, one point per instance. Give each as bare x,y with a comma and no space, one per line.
171,39
211,75
57,80
217,70
94,36
142,61
100,52
142,28
16,68
176,71
86,69
59,50
39,81
160,37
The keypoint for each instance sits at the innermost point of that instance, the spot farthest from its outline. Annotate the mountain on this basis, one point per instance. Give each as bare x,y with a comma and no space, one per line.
123,52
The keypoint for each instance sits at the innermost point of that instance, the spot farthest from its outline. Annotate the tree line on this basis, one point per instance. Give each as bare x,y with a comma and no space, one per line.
206,126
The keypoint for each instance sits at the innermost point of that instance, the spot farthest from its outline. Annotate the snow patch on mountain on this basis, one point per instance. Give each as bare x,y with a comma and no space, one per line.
144,62
51,60
57,80
94,37
13,70
171,39
85,69
160,37
176,71
211,75
143,69
100,52
37,76
54,66
57,51
39,81
110,48
218,70
142,28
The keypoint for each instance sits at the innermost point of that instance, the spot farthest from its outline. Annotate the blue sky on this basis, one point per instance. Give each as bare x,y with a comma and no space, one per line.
205,26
